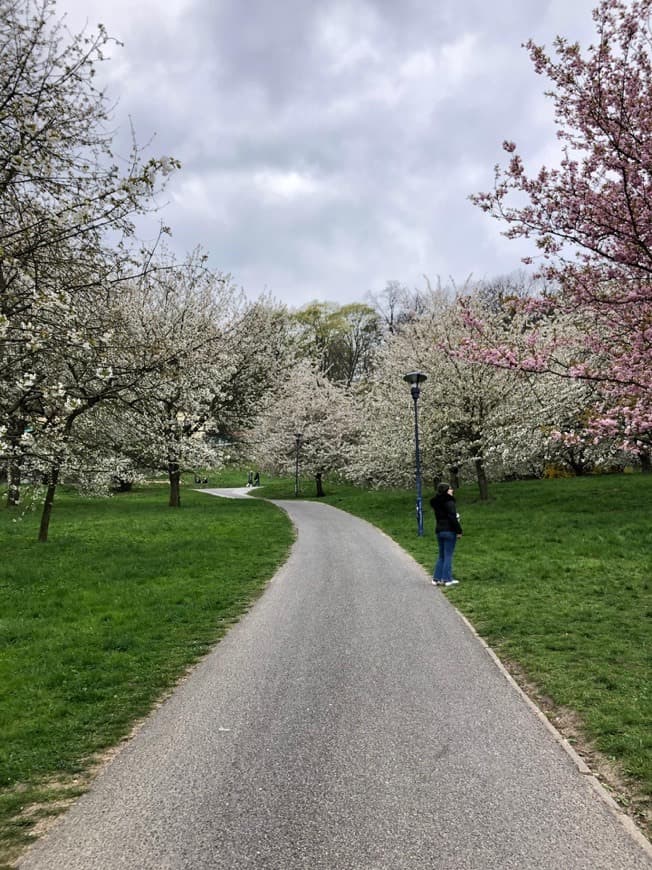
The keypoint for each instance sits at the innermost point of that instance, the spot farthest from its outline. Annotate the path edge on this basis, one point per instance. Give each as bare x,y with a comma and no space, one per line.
582,767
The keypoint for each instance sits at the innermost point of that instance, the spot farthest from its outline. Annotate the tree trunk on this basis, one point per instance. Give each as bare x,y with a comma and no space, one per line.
174,473
47,504
646,462
14,466
482,479
13,481
320,489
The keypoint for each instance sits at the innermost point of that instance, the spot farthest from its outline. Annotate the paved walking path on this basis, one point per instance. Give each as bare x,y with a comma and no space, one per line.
229,492
350,721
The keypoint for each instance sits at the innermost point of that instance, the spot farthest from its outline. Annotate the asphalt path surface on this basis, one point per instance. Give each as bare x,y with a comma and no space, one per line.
350,720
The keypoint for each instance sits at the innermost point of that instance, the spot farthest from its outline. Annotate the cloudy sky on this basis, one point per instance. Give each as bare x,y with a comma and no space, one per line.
329,146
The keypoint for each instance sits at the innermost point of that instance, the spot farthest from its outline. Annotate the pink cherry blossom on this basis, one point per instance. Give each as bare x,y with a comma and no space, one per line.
590,219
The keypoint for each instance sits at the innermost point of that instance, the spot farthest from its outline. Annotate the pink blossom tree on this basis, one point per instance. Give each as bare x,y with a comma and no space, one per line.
591,220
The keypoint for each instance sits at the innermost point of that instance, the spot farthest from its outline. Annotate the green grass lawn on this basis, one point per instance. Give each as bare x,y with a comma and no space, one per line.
99,622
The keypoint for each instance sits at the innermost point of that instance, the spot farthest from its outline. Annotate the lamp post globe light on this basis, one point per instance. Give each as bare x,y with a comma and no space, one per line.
414,379
297,444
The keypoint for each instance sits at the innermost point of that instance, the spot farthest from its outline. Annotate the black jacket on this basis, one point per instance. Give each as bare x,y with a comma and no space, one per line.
446,513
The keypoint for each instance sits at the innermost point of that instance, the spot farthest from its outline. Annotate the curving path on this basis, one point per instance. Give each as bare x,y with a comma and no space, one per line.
350,720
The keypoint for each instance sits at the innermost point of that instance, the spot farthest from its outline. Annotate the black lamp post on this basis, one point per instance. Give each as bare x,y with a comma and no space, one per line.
414,379
297,444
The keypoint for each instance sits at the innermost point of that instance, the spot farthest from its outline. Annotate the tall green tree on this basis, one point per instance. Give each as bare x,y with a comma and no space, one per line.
342,340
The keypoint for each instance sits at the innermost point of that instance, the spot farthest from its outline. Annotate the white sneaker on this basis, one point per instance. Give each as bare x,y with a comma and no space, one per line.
451,583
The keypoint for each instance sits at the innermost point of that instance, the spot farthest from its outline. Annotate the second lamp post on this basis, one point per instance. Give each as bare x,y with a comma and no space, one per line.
297,444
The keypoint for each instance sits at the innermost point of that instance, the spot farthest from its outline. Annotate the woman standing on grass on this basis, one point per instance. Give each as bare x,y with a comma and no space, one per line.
448,530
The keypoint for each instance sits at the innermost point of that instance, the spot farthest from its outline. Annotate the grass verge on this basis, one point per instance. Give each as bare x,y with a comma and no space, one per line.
100,622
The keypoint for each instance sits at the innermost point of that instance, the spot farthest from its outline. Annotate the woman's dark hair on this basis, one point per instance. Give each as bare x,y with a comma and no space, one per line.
443,487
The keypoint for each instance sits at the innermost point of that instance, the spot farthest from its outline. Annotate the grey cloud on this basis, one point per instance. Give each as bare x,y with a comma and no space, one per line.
331,146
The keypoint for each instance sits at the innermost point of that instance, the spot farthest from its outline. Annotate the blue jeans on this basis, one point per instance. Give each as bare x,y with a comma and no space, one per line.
444,566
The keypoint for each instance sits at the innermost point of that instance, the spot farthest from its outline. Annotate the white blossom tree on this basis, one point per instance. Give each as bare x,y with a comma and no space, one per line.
537,432
219,356
457,407
62,192
308,404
